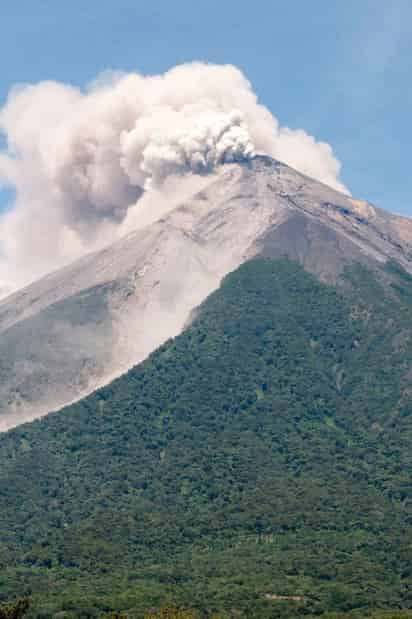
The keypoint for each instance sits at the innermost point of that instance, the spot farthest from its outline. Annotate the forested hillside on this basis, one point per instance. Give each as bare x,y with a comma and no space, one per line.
258,465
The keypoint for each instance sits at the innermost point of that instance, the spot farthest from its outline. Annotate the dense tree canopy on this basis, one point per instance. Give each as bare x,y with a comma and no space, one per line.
258,465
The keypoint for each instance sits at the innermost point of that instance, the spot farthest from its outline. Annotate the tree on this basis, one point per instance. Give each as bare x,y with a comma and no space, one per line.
14,610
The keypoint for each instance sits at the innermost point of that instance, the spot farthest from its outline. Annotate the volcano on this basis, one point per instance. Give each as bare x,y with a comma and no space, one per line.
79,327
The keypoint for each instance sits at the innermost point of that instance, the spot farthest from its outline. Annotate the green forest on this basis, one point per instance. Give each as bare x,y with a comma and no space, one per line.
258,465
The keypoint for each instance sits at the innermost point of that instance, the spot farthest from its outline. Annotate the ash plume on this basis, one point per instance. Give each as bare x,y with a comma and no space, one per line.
80,161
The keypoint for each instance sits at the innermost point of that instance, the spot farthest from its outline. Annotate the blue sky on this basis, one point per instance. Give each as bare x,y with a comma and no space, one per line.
338,69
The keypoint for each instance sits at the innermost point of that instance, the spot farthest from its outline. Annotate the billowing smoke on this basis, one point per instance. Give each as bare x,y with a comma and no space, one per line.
193,139
79,161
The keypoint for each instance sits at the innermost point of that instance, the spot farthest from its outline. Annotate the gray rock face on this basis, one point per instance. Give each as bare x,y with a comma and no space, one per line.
78,328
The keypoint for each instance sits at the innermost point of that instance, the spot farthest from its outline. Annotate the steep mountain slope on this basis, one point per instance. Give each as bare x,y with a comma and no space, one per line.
264,452
79,327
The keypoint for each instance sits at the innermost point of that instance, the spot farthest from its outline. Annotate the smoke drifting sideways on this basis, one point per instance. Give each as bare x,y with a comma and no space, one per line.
81,163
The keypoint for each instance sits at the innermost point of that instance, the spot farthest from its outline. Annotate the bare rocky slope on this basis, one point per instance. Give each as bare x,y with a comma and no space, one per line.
81,326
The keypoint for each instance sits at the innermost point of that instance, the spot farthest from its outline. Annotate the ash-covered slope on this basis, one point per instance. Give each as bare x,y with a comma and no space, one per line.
77,328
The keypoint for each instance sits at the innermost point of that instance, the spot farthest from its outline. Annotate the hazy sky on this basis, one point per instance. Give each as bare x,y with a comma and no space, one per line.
339,69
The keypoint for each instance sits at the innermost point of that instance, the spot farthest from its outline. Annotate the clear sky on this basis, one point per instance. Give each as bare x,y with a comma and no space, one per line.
340,69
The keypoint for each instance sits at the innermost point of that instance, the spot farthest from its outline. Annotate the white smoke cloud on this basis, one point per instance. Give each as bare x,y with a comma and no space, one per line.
79,161
5,288
192,139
